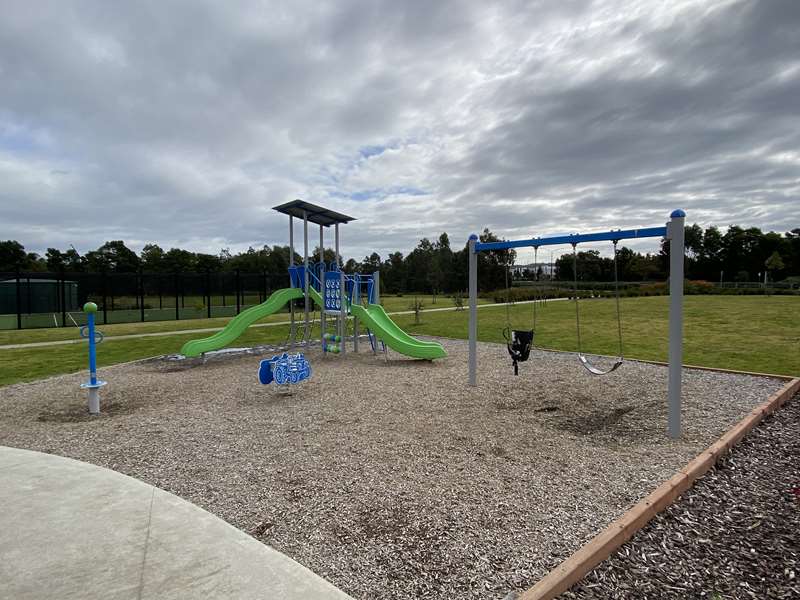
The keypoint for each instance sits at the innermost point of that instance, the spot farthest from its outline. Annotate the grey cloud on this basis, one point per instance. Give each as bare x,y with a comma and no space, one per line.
183,123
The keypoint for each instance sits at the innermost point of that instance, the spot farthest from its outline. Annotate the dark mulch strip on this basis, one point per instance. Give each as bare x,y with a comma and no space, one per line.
735,534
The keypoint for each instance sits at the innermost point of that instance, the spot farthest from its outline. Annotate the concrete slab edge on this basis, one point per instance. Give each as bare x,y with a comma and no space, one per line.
599,548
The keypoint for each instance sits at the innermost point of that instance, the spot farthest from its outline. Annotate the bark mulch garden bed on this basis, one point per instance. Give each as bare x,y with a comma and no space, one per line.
735,534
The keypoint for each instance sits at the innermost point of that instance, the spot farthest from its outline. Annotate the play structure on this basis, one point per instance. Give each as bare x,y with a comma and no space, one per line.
340,298
520,341
95,337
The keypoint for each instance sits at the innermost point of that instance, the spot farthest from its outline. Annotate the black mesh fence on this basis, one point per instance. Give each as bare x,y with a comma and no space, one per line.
37,299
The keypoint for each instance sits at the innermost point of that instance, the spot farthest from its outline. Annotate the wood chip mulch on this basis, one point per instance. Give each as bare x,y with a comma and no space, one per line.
389,477
735,534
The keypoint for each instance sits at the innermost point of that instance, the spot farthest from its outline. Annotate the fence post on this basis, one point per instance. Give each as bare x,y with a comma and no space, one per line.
177,304
19,298
104,279
222,287
238,293
141,295
28,295
208,293
63,299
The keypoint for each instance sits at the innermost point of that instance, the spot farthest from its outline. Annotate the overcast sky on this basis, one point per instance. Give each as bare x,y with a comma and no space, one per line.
183,123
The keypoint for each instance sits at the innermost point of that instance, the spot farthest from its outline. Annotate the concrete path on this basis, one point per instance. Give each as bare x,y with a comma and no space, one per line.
131,336
72,530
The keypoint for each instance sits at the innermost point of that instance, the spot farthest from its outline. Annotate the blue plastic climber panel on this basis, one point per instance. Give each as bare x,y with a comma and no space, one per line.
333,292
284,369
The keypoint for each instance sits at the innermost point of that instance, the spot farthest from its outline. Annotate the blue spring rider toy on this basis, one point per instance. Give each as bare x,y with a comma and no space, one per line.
284,369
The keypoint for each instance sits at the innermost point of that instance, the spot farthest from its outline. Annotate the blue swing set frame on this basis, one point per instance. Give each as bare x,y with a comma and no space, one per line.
673,231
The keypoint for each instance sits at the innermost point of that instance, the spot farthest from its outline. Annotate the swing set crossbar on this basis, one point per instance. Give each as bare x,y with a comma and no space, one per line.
577,238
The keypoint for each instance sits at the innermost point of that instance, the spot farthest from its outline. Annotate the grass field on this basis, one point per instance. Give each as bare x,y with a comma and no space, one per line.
755,333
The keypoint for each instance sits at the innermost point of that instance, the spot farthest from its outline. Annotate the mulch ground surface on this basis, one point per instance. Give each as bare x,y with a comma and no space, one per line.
736,534
393,478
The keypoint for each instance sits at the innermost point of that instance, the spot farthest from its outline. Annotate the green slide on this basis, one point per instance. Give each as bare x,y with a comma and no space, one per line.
374,317
387,331
240,322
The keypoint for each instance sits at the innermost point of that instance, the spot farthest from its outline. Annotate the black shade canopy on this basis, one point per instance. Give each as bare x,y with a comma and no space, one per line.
318,215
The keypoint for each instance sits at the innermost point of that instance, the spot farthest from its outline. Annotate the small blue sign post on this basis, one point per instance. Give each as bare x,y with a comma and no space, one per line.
94,337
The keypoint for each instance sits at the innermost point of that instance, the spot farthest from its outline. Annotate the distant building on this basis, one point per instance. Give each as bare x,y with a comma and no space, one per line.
547,270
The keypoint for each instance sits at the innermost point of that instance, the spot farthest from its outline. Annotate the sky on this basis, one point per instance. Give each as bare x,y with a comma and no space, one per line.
183,123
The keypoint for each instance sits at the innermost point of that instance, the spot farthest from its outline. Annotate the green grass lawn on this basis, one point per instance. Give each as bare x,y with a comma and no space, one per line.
754,333
749,333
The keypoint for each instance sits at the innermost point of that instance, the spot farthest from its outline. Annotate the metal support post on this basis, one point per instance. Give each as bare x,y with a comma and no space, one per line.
356,297
473,310
675,234
306,279
292,325
322,323
343,310
376,286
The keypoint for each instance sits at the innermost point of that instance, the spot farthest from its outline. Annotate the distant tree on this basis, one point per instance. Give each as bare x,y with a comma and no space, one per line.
33,262
351,266
208,262
152,258
73,261
12,255
97,262
418,266
393,273
774,263
493,265
370,264
54,259
114,256
441,273
329,255
693,240
176,261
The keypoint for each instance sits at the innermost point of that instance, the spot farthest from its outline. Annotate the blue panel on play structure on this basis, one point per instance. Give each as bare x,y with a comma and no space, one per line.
333,291
284,369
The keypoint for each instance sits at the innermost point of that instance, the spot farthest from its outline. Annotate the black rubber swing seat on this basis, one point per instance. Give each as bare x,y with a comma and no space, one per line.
519,344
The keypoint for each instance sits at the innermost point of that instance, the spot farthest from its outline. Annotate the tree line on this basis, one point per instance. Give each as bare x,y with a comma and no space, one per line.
435,267
736,255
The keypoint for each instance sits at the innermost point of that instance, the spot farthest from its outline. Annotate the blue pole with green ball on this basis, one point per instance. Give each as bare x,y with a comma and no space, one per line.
94,337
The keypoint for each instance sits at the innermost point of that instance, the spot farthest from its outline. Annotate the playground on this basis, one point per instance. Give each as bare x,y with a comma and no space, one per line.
394,464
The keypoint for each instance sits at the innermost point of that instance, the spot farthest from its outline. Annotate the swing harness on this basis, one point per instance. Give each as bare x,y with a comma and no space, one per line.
518,341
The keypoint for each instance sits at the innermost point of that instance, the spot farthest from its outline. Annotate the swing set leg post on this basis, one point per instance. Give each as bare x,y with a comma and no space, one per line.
473,310
675,234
